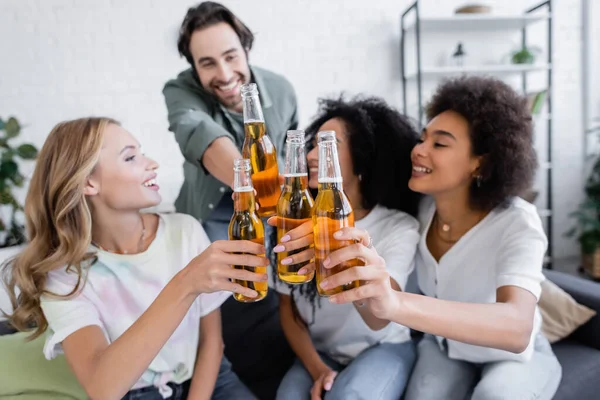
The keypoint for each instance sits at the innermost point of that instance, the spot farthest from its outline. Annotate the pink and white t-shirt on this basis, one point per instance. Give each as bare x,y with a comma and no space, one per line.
120,288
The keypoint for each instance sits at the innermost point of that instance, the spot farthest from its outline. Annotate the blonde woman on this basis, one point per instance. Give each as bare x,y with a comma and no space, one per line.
127,296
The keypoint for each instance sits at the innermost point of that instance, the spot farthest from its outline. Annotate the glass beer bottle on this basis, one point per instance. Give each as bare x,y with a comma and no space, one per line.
245,224
332,212
295,204
261,152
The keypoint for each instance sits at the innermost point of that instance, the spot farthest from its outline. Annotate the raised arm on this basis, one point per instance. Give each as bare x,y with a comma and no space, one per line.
202,141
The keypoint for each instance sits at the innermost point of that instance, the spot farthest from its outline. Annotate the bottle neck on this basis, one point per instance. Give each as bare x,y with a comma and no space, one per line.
329,164
251,108
244,201
254,129
295,160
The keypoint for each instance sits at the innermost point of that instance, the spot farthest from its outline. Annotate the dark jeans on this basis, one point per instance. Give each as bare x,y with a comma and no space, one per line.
228,386
254,341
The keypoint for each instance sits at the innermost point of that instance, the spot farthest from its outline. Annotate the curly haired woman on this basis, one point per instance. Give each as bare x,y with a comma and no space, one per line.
480,256
343,351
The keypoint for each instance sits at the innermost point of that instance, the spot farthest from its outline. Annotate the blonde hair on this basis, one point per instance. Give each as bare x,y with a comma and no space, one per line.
58,219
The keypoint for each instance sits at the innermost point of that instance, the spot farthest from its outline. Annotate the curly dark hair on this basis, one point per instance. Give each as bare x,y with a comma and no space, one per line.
206,14
380,141
501,130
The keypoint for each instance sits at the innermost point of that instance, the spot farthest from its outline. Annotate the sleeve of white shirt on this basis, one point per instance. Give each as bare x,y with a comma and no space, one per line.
65,316
399,247
521,256
207,302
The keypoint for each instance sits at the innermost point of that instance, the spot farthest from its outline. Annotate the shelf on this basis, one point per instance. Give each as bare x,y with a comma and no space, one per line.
503,69
481,22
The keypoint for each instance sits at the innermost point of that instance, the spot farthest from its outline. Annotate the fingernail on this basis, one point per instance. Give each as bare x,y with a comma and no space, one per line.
333,300
328,386
326,261
286,238
338,234
325,284
278,248
302,271
286,261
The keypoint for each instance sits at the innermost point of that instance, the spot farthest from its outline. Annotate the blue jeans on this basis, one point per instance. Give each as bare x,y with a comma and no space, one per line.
378,373
436,376
228,386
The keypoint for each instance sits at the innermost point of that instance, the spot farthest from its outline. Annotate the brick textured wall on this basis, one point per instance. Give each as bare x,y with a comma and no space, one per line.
69,58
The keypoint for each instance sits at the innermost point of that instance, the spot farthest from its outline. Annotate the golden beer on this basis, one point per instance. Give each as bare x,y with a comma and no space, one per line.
293,209
245,224
332,212
262,154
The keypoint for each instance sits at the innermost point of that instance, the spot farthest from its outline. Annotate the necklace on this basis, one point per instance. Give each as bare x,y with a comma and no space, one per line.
140,243
445,228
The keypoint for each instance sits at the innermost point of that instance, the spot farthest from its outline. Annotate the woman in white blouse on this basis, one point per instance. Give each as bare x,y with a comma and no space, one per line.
479,260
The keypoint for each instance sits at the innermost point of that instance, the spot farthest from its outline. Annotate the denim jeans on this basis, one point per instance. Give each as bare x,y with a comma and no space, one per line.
378,373
228,386
438,377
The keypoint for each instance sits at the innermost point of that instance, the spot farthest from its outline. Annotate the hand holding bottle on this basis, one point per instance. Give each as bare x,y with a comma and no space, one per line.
375,290
211,270
295,239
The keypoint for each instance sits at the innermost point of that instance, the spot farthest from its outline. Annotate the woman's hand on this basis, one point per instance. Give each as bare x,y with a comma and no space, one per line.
297,238
375,290
211,271
323,383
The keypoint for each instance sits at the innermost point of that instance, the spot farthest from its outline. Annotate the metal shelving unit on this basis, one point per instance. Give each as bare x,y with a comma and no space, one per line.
484,22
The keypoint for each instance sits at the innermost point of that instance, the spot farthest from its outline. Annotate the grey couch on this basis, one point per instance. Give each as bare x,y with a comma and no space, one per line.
579,354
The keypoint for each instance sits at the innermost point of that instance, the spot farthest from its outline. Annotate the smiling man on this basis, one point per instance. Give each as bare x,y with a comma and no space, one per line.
205,114
205,110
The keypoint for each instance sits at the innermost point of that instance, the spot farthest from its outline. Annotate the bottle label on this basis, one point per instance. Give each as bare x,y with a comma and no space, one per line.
298,175
244,189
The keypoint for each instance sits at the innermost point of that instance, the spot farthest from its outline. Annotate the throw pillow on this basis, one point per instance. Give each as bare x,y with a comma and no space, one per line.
25,374
561,314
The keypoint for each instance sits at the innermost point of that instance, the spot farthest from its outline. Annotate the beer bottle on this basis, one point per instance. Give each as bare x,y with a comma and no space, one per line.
332,212
295,204
261,152
246,225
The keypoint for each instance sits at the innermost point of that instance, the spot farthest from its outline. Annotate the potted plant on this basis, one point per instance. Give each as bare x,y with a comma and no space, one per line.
587,229
525,55
12,231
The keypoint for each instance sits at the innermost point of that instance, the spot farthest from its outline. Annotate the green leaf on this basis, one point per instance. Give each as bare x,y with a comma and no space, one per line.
12,127
7,155
27,151
18,179
8,169
7,198
1,124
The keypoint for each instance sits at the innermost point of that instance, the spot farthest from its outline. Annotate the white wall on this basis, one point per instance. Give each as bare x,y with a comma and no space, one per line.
69,58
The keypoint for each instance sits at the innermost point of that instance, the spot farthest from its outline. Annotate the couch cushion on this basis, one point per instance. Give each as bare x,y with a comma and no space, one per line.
25,373
561,314
580,371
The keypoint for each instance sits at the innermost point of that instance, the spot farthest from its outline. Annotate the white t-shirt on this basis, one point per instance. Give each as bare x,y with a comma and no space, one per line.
338,330
120,288
506,248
